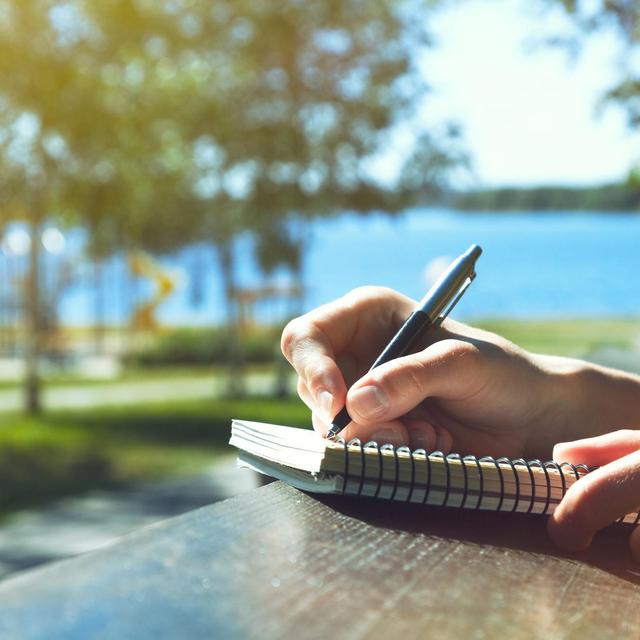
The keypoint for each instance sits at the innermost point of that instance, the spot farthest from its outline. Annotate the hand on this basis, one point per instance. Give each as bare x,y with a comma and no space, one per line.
602,496
465,389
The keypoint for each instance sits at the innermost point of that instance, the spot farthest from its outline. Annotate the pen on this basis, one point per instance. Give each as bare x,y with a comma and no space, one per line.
430,312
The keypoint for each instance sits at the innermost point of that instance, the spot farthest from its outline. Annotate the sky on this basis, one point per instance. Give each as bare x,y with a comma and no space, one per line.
529,114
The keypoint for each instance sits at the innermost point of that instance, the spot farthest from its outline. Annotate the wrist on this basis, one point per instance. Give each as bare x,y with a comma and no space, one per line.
559,395
587,400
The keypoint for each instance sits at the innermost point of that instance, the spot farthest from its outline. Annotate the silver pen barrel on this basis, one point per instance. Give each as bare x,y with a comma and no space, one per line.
448,285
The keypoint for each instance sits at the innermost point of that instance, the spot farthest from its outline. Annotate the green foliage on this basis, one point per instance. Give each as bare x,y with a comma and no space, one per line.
622,18
66,453
160,122
30,475
206,347
155,124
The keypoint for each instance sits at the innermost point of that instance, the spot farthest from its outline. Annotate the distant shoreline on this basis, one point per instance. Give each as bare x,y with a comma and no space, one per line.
614,198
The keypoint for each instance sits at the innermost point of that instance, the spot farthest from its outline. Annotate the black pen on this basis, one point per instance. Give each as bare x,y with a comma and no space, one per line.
430,312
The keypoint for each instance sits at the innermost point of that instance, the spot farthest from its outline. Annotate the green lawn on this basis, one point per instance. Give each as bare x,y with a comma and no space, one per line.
577,337
135,374
65,453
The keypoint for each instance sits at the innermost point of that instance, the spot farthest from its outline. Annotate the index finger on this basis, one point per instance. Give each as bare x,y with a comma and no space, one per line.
307,347
360,323
312,342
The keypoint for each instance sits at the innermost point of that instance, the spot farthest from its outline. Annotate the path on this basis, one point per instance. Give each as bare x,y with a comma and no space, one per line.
134,392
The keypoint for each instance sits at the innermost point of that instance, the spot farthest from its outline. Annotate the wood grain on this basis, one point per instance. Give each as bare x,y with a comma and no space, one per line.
277,563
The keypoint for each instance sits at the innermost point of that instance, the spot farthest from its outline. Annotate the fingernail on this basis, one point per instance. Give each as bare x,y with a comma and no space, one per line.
369,402
325,404
388,436
319,425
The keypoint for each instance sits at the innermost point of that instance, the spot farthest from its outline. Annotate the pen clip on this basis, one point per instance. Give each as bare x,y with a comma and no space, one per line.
455,301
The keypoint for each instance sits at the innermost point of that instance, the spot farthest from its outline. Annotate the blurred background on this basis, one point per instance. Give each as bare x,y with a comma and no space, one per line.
178,178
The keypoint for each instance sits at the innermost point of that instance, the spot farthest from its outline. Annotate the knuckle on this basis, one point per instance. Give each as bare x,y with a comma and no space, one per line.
628,435
292,335
416,373
301,387
358,295
466,357
465,354
286,339
465,351
402,380
304,394
312,375
368,294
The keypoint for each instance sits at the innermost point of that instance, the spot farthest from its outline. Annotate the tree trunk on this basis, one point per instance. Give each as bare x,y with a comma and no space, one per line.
99,307
33,321
294,308
235,360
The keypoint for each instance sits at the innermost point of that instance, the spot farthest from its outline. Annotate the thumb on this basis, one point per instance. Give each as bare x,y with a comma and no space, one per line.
446,369
599,450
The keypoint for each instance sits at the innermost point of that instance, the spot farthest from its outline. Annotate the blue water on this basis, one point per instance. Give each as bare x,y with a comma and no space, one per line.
534,265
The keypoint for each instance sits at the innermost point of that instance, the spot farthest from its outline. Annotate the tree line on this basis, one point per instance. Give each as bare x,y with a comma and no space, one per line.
620,197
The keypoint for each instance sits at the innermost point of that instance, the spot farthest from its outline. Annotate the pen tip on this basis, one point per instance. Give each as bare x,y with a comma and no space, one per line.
333,432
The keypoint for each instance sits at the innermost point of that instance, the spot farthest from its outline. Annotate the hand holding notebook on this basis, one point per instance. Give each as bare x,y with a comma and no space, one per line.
469,391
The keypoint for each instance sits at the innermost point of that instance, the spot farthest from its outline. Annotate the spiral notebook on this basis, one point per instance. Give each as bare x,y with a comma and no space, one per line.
303,459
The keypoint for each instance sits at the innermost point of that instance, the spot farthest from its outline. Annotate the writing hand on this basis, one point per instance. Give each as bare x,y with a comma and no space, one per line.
463,388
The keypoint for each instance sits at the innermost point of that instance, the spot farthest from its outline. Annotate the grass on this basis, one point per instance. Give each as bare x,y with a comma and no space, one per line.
69,452
576,337
136,374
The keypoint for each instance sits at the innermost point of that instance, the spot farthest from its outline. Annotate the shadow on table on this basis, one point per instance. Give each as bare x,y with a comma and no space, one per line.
608,552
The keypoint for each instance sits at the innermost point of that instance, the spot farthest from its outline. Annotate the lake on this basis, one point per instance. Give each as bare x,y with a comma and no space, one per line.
541,265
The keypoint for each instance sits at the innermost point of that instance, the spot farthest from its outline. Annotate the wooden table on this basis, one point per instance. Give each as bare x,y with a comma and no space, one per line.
277,563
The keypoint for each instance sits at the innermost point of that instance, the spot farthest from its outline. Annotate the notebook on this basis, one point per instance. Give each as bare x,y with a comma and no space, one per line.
309,462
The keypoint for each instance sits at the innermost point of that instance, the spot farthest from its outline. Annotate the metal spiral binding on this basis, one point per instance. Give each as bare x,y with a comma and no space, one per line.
390,447
427,482
523,463
465,490
475,460
440,454
421,456
540,464
499,468
374,445
504,460
413,470
558,468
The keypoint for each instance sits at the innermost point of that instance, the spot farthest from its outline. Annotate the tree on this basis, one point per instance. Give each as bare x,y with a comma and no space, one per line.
623,18
160,123
57,135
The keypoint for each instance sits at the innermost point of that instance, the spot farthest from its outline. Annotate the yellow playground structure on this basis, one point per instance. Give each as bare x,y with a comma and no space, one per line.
142,265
